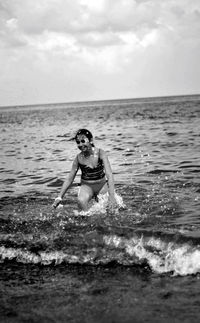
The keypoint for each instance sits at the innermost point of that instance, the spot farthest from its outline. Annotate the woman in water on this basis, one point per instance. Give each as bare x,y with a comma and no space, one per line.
96,172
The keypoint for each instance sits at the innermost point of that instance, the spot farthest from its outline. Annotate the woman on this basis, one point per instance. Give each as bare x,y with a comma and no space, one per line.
95,168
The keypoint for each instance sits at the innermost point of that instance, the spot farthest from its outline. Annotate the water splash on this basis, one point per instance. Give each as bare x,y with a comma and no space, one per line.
162,257
101,206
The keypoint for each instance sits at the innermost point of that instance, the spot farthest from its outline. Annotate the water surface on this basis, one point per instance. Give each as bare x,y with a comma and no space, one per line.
141,263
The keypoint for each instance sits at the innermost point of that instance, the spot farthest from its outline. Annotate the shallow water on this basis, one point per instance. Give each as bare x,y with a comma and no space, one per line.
97,294
141,263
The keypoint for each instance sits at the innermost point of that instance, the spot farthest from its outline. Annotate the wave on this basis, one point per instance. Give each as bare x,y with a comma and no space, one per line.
161,256
160,171
32,233
158,254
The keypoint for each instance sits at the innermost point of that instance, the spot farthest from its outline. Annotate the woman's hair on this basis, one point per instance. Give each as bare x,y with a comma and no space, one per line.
84,132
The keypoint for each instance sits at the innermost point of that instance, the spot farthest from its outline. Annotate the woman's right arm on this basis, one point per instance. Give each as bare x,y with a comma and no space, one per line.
68,182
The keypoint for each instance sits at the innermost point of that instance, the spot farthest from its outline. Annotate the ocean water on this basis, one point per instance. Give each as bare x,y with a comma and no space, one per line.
140,264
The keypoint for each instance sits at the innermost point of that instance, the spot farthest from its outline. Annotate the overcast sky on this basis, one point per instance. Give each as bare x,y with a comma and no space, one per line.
77,50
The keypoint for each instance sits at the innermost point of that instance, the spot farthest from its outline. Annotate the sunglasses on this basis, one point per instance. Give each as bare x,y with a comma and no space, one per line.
80,141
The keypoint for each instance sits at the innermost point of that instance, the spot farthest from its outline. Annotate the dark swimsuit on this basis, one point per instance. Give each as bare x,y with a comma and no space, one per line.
92,174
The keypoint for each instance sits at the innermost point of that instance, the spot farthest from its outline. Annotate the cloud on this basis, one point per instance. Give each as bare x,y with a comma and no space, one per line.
84,30
95,23
97,37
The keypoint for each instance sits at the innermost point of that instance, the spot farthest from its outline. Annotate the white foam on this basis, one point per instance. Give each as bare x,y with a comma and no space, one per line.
162,257
102,204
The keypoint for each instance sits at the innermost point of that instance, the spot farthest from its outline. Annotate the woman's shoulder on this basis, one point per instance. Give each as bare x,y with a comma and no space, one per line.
76,160
78,156
101,152
80,159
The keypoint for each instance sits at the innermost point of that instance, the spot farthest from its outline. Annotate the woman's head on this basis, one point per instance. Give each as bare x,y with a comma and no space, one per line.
83,136
84,132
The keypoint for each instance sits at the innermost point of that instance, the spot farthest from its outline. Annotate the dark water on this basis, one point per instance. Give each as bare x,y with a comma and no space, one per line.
141,264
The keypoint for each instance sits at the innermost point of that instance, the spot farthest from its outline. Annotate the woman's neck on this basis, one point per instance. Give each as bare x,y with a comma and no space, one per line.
88,153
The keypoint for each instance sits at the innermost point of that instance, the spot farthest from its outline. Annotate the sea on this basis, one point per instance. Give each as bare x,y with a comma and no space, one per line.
140,263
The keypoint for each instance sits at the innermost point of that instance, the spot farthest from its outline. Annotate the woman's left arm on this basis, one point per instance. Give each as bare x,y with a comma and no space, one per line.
109,175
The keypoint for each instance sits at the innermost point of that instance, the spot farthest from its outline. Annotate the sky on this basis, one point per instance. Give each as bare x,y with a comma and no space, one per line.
81,50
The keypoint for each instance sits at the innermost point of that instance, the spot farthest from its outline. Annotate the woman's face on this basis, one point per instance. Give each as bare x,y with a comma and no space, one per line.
83,143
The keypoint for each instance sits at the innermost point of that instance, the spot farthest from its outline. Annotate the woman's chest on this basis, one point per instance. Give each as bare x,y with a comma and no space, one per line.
90,162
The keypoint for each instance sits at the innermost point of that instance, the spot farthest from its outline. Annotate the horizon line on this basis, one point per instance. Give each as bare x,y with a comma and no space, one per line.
95,101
